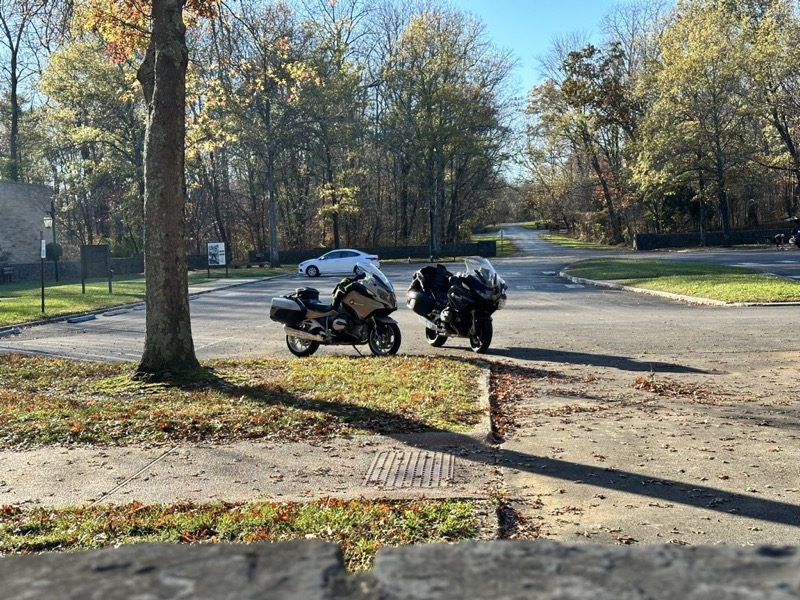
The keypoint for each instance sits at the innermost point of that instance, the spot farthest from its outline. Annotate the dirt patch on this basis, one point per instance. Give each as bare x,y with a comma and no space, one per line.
613,457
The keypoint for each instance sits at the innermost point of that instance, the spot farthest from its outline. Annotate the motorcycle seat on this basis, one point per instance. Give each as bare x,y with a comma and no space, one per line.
318,306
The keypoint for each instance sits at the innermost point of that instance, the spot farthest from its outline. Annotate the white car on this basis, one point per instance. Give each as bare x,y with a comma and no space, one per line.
336,262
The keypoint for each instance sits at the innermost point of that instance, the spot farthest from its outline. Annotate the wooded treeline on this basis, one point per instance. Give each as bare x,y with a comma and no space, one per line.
318,123
685,119
354,123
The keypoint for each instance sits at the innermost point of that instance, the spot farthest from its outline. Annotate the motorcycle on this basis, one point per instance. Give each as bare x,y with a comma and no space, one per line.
359,314
458,305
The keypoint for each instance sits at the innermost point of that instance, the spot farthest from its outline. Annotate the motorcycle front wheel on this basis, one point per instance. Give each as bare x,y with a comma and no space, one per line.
300,347
434,338
384,339
480,340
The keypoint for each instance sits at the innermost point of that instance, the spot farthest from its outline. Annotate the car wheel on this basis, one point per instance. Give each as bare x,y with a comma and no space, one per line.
312,271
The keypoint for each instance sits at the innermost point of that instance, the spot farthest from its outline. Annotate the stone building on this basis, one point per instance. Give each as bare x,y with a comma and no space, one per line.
22,209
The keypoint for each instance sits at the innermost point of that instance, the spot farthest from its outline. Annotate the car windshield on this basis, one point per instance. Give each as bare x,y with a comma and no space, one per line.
372,271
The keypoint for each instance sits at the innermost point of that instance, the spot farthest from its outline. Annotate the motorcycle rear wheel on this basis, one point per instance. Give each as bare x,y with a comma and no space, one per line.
434,338
479,342
384,339
301,347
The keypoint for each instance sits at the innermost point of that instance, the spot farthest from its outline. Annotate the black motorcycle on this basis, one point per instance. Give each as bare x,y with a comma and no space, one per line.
358,315
458,305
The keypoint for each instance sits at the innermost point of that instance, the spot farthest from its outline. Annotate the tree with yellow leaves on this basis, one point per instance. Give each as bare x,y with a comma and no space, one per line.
129,25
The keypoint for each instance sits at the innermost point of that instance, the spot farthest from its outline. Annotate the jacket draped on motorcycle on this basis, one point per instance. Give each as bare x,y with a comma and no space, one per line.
460,304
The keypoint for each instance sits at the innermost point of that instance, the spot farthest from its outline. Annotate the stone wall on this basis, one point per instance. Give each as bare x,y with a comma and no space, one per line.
500,570
22,208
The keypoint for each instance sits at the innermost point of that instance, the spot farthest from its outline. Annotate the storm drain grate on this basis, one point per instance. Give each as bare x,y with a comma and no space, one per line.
411,469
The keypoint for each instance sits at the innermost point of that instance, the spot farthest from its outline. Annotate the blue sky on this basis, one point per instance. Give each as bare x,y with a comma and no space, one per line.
528,27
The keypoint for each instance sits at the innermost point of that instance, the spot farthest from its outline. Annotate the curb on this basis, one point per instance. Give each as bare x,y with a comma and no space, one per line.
486,424
686,299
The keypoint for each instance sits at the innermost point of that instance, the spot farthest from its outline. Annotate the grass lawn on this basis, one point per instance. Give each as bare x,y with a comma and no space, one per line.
361,527
702,280
570,242
47,401
22,302
505,246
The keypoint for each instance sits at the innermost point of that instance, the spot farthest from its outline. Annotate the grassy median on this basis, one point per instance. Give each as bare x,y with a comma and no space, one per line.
700,280
361,527
567,241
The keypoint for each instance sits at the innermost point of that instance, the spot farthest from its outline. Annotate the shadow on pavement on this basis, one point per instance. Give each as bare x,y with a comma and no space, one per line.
668,490
598,360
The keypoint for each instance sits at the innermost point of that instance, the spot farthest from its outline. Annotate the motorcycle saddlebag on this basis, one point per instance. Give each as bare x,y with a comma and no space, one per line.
286,310
420,302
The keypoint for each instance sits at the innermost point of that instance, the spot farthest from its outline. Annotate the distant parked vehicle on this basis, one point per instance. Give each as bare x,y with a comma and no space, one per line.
337,262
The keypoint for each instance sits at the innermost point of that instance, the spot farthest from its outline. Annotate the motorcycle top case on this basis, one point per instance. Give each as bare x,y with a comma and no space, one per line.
420,302
286,310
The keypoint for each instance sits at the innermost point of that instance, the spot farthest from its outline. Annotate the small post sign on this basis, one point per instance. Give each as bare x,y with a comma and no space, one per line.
216,257
95,263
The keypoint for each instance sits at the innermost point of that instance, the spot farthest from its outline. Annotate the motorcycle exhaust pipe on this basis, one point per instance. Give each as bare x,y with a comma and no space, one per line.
428,323
303,335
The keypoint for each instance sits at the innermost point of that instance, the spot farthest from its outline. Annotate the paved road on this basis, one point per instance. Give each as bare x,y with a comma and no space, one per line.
547,317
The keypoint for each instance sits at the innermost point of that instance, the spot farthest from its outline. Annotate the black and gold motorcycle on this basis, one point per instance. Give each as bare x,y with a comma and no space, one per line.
359,314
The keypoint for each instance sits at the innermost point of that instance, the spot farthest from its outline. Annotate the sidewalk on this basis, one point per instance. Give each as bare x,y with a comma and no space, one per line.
598,462
432,465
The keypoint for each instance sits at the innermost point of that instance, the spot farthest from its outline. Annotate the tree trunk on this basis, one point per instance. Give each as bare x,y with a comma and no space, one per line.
168,344
722,198
13,141
272,207
432,192
403,170
703,211
274,252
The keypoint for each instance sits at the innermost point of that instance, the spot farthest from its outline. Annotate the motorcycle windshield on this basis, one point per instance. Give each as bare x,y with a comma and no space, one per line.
483,269
376,274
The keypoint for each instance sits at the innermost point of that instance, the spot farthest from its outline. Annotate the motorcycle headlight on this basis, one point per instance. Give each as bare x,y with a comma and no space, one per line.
386,297
485,293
